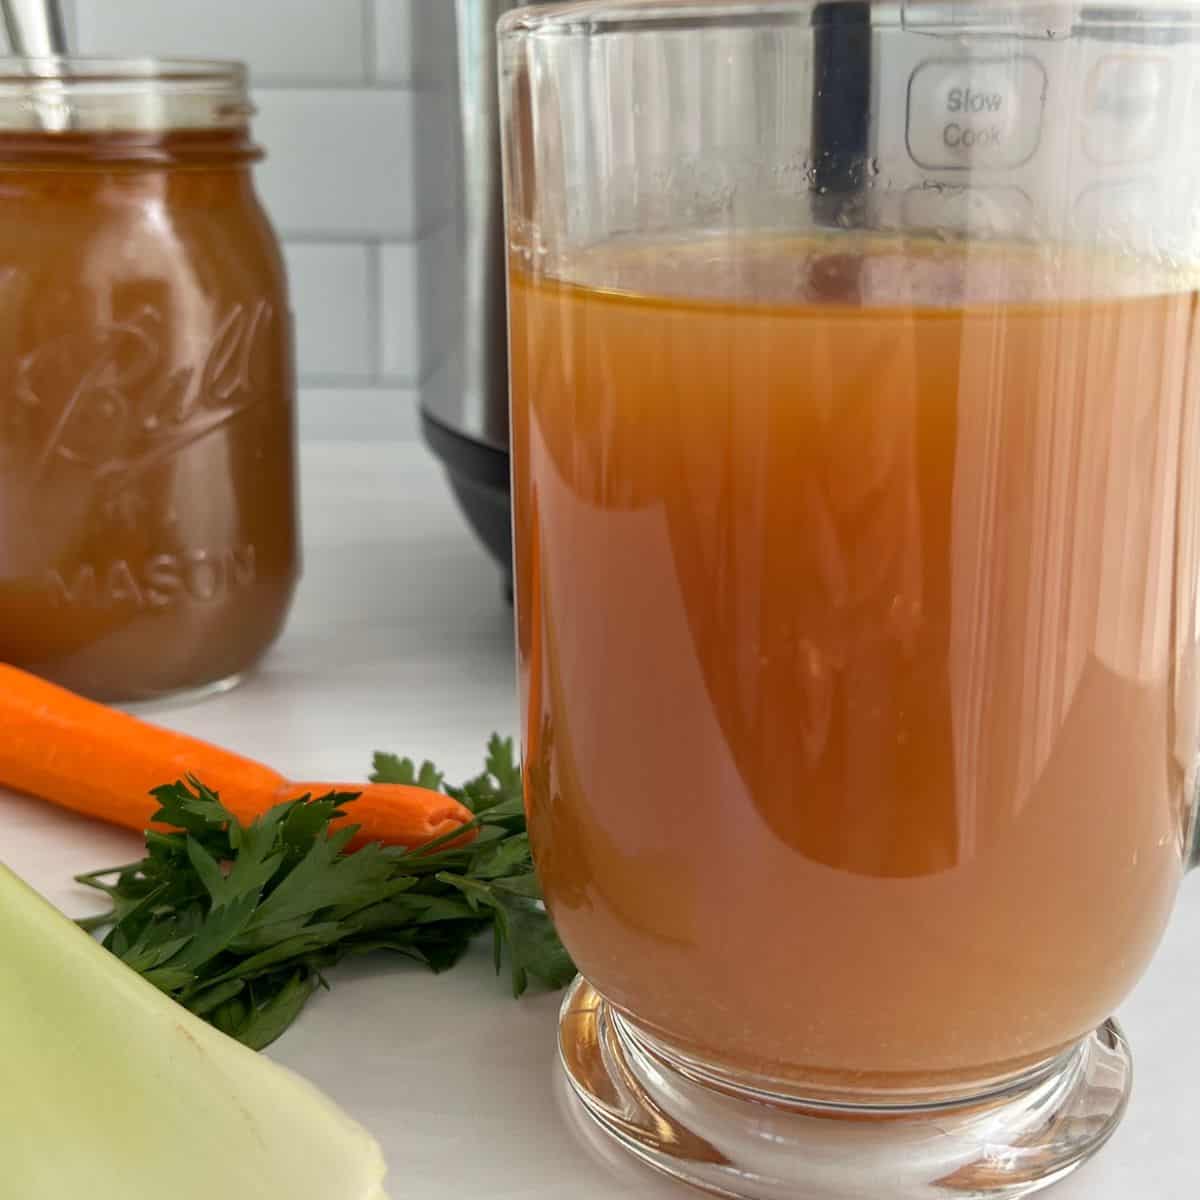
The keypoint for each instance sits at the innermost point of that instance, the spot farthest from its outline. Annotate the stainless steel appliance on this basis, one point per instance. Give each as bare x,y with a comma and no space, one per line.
464,417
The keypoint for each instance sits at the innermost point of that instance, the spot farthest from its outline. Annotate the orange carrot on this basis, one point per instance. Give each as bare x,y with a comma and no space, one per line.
101,762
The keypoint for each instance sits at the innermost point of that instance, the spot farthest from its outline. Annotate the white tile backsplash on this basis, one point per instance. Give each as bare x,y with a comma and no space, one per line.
414,40
444,271
369,414
314,41
357,104
332,299
340,162
403,325
419,310
396,57
439,151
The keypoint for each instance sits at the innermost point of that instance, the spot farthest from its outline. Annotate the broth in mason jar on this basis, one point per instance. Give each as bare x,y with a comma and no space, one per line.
148,539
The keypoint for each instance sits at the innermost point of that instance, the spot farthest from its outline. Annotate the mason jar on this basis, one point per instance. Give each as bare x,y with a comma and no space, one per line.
148,531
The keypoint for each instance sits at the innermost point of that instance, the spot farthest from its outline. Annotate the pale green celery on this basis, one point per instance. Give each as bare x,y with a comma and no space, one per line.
111,1091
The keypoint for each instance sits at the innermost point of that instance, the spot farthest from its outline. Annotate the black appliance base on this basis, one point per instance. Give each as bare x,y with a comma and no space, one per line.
479,478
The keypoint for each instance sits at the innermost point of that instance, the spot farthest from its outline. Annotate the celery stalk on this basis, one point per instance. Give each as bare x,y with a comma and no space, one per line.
111,1091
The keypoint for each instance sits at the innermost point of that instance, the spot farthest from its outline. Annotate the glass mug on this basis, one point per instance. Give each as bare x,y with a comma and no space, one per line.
855,445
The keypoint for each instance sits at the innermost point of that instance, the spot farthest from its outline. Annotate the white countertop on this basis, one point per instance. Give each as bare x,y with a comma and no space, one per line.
401,640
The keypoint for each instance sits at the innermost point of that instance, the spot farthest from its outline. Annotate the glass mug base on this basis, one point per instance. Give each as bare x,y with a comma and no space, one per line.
747,1143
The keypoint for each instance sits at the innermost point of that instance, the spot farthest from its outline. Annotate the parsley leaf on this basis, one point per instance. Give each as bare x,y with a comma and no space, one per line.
240,923
391,769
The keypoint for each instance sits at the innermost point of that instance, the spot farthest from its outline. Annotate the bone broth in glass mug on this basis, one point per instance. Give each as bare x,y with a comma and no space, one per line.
854,402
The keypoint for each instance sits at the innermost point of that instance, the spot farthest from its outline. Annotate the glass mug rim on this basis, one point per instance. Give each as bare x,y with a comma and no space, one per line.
587,19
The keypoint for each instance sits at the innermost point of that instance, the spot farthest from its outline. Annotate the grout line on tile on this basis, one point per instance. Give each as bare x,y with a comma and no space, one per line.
355,383
399,383
341,237
375,309
419,381
362,237
370,52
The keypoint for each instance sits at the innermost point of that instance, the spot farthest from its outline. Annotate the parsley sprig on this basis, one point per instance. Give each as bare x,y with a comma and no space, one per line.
239,923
